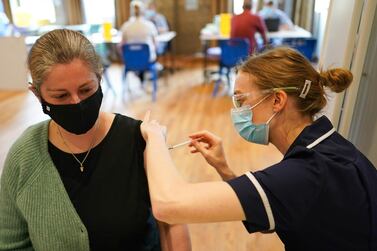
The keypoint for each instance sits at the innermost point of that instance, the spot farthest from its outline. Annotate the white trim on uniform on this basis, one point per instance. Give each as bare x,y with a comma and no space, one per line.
265,201
320,139
263,195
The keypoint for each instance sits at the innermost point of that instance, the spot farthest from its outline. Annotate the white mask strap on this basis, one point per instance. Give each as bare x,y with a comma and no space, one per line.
269,120
260,101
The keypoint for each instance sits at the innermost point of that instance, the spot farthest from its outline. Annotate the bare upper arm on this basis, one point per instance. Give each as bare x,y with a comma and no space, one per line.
174,237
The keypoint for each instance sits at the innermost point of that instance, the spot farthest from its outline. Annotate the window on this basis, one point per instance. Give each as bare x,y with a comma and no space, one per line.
28,13
237,6
99,11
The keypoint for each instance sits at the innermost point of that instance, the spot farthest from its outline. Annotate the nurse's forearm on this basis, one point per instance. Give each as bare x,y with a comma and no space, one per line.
176,201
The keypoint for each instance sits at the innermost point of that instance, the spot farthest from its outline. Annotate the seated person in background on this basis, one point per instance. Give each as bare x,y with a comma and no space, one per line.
5,26
161,24
246,25
158,19
270,11
76,182
140,30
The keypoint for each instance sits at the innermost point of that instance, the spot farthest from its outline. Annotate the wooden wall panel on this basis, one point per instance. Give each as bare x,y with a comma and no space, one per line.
188,23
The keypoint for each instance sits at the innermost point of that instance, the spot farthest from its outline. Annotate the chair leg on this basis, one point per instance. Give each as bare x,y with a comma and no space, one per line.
155,76
217,83
125,83
141,76
109,85
165,70
228,76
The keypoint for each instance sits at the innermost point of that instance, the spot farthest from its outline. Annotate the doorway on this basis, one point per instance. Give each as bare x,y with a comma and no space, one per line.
363,130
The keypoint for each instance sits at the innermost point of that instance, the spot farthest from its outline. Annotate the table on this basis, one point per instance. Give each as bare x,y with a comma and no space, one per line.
296,32
293,33
97,38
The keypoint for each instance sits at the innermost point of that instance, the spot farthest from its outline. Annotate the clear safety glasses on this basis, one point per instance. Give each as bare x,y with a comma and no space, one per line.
239,99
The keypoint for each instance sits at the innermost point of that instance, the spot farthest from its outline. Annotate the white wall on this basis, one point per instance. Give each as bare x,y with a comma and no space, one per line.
363,128
13,70
334,51
345,43
362,38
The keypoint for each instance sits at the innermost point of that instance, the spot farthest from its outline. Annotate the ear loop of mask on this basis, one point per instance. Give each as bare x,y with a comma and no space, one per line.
269,120
260,101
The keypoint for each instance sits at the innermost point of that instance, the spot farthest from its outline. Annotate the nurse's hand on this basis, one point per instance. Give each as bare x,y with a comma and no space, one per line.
151,127
210,146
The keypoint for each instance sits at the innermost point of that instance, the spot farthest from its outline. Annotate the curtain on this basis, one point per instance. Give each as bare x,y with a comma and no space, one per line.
260,4
220,6
303,14
225,6
74,12
122,12
8,10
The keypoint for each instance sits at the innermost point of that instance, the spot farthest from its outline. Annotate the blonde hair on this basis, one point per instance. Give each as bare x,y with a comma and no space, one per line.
285,67
61,46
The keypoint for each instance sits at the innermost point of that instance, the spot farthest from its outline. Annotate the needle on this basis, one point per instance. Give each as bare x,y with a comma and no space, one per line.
180,144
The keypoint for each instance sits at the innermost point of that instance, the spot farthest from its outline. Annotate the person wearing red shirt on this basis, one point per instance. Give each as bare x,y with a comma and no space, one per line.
246,25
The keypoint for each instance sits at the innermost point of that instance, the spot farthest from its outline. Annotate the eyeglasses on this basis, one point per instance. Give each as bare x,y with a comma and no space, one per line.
239,99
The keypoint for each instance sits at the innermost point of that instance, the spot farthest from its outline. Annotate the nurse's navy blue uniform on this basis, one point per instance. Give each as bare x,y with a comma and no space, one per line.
321,196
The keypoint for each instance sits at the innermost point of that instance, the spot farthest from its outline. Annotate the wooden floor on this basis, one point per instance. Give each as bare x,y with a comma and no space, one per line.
185,105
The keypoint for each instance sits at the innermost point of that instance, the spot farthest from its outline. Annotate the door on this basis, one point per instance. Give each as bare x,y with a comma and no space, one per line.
363,129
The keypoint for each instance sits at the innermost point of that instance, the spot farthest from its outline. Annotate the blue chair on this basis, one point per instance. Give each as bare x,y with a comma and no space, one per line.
233,51
136,58
305,46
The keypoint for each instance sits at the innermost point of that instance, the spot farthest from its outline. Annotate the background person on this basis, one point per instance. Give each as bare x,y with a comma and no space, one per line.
161,24
271,11
5,25
140,30
246,25
156,18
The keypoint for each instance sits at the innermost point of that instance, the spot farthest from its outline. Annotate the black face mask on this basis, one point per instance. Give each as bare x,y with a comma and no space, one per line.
78,118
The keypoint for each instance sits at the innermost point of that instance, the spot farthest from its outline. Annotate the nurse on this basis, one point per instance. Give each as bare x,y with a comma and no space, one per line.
321,196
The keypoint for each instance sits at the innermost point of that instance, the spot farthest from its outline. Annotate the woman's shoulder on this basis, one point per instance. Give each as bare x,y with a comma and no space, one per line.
31,138
124,126
126,122
24,151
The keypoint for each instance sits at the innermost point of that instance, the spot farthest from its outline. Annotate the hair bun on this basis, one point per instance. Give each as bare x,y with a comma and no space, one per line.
337,79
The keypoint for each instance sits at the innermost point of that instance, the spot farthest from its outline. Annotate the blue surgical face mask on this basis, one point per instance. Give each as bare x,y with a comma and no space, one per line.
268,11
242,119
149,14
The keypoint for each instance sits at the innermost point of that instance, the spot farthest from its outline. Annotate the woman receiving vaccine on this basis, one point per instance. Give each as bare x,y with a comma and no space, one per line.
77,181
321,196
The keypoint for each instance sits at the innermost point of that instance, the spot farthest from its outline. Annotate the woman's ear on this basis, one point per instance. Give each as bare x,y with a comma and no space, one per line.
34,90
280,100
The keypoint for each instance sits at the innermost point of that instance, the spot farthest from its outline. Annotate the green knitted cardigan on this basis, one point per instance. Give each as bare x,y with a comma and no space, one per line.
36,212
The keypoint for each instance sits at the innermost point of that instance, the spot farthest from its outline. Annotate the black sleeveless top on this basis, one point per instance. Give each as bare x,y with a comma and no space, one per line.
111,195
